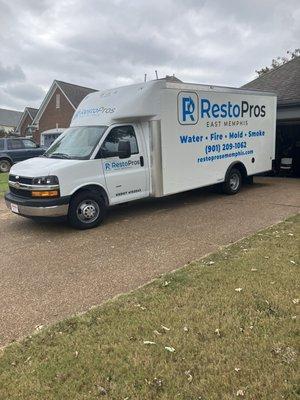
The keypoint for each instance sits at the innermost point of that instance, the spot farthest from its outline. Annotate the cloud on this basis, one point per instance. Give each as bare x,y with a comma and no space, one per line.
103,44
26,91
11,73
16,95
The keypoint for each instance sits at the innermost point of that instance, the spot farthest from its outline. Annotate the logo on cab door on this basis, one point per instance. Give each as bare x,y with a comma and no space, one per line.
188,108
108,166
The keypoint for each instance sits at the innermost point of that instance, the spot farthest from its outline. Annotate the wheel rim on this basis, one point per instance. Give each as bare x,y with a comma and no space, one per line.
4,166
88,211
234,181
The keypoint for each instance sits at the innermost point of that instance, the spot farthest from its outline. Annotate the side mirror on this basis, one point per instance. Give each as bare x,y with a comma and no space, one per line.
124,149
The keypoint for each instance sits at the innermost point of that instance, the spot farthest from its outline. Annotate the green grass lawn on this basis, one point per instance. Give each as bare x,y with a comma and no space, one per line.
220,328
3,183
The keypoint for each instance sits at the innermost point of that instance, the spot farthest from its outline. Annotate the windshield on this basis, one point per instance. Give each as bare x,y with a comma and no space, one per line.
76,143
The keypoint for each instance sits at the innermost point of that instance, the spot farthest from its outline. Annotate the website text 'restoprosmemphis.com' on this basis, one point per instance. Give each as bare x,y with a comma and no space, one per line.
222,156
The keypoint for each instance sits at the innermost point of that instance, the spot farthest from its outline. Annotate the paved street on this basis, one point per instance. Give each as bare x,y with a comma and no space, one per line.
49,271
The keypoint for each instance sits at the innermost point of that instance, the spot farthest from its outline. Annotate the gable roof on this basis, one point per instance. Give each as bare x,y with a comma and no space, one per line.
27,111
9,117
73,93
32,112
283,80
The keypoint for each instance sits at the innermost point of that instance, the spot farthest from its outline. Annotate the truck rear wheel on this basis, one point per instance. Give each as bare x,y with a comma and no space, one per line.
233,182
87,210
5,165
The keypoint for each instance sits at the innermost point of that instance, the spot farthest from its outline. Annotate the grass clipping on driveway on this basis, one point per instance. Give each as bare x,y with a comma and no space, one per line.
221,328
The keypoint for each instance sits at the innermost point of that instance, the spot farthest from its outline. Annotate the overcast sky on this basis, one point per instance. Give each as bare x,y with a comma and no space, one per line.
107,43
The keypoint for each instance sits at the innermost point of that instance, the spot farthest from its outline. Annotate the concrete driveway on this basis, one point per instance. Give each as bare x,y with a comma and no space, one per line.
48,271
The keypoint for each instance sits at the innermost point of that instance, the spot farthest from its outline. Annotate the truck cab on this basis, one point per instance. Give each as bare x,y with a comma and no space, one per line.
87,169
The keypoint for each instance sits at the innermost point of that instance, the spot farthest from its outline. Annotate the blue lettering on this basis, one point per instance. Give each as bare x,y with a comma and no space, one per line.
215,110
188,108
203,109
183,139
191,139
236,110
230,110
223,111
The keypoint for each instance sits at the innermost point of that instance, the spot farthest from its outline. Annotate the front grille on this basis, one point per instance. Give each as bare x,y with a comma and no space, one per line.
20,192
20,179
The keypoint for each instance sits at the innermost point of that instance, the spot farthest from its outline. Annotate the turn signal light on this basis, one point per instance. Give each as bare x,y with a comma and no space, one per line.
45,193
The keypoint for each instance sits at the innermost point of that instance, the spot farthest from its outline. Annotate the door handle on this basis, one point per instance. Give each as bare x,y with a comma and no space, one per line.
142,161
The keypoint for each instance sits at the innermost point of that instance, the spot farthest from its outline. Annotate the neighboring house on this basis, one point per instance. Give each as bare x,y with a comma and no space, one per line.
285,82
56,110
24,127
9,119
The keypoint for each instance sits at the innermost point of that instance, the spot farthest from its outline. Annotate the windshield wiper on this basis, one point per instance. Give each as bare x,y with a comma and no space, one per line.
59,155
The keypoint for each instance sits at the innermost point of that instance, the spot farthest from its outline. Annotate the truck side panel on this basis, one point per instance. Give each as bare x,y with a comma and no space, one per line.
203,133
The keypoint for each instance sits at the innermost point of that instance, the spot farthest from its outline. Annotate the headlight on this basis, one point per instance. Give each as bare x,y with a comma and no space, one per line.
45,180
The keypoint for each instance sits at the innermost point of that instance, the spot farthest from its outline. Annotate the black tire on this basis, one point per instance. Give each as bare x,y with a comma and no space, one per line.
5,165
87,210
233,182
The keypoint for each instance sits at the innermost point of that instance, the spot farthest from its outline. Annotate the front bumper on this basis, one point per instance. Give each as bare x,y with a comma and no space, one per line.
37,207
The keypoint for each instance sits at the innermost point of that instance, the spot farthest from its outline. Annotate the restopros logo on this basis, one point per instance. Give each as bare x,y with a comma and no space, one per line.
188,108
91,112
188,105
109,166
231,110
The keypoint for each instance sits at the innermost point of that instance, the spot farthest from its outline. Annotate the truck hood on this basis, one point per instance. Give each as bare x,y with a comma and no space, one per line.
41,166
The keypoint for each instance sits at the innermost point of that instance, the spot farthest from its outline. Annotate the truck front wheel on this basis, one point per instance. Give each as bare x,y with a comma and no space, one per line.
233,182
87,210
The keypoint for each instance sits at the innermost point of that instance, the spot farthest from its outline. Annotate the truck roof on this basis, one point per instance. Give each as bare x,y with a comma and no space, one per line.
216,88
141,101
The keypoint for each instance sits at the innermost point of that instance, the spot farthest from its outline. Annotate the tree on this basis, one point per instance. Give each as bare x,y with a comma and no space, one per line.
278,61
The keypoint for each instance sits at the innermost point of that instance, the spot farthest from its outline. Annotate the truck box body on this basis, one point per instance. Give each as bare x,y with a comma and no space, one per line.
199,152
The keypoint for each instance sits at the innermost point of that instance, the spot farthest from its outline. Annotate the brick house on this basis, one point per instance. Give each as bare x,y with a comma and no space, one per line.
56,110
24,127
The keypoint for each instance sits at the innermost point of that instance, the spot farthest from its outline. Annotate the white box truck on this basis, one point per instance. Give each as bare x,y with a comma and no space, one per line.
146,140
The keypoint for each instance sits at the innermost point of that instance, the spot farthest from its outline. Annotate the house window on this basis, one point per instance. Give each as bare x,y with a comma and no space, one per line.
57,100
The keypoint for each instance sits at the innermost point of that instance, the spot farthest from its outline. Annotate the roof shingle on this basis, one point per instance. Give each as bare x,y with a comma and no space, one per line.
32,112
9,117
283,80
75,93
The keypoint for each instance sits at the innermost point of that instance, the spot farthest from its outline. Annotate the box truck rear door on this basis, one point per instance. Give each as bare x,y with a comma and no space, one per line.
126,177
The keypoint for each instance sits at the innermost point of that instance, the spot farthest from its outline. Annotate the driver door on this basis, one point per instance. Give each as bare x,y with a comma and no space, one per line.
126,178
